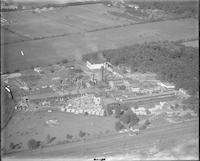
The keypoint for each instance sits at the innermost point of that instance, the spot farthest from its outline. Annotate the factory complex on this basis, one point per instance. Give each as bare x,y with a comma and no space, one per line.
84,88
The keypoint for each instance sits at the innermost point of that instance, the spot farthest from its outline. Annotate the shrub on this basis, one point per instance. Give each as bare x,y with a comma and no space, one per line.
134,119
145,125
147,122
50,139
125,118
129,118
136,107
33,144
11,145
17,70
109,110
82,134
69,136
65,61
15,146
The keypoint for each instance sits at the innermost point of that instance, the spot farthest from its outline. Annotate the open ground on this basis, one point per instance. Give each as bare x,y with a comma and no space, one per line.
164,138
25,126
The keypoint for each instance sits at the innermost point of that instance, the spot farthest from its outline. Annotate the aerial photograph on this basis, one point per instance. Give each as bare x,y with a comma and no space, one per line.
99,80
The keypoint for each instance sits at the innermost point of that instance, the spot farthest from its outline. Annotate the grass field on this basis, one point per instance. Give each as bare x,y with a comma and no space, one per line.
45,51
25,126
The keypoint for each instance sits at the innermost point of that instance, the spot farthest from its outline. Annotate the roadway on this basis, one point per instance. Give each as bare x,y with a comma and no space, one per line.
118,143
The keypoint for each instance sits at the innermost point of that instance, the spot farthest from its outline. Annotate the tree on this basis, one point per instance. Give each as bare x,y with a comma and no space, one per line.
136,107
134,119
19,6
109,110
117,112
125,118
69,136
118,126
81,134
33,144
9,2
50,139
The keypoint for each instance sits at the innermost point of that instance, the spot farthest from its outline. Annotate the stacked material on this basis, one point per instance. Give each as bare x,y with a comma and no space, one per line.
85,104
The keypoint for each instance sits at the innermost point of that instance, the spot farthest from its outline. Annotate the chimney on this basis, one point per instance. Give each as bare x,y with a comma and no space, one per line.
102,73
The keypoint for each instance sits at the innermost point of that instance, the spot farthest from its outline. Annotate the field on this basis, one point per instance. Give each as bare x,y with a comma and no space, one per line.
32,125
61,21
51,50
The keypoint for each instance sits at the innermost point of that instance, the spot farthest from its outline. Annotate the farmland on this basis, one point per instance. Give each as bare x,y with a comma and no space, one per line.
51,50
48,35
62,21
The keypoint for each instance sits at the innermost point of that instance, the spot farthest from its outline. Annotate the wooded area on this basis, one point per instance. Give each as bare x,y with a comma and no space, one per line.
171,62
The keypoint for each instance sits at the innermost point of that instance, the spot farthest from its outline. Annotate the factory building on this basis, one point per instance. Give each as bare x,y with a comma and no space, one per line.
97,66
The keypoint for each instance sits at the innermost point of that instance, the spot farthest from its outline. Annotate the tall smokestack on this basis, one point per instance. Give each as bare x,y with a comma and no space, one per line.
93,77
102,73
